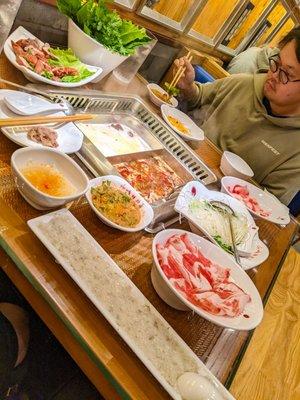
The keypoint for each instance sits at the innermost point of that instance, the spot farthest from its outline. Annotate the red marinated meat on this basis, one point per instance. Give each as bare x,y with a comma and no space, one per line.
242,193
35,55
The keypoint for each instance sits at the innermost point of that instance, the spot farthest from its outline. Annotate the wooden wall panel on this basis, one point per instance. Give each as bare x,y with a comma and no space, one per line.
259,7
274,18
282,32
212,17
175,10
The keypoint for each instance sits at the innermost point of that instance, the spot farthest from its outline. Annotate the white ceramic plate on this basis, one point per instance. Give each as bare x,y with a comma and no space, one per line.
26,104
279,213
196,190
146,209
195,133
120,280
21,33
253,310
69,137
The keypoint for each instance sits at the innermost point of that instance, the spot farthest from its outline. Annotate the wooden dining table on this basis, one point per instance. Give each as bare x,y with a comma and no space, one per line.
83,331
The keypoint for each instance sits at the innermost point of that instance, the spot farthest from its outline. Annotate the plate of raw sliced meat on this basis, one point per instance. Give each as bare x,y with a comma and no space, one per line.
258,201
40,62
191,273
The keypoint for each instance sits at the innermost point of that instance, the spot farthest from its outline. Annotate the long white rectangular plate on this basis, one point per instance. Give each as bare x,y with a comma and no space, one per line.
146,332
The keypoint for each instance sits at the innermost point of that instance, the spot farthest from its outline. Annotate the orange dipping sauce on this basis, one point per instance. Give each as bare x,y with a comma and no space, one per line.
47,179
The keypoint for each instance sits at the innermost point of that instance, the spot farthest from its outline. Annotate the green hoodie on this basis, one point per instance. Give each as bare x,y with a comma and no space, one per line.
235,119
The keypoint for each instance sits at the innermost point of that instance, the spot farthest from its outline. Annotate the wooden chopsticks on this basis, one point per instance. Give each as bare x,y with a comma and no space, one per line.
44,119
180,71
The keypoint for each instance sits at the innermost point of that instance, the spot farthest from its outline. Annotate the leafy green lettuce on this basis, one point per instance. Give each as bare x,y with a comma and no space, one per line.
66,58
106,26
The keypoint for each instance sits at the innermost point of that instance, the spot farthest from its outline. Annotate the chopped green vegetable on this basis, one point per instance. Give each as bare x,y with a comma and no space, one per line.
67,58
224,246
47,74
171,90
106,26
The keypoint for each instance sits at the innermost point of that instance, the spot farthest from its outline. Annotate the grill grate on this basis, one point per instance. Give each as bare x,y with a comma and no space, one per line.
103,103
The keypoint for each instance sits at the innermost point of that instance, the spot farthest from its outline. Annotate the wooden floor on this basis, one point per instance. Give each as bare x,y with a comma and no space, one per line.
270,369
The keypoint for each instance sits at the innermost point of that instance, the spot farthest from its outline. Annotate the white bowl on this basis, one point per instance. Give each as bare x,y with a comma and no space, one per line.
278,212
21,33
146,210
233,165
63,163
156,100
175,299
92,52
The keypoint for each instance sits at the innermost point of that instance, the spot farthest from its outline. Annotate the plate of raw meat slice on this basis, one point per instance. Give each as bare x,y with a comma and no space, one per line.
31,56
191,273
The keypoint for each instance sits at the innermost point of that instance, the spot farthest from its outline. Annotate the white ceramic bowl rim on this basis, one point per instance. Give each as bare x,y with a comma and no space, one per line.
160,89
28,149
243,167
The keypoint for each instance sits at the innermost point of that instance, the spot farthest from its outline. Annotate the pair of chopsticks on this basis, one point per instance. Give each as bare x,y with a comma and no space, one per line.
44,119
180,71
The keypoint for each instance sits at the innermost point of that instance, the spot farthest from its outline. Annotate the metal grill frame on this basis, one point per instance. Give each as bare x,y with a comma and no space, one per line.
99,102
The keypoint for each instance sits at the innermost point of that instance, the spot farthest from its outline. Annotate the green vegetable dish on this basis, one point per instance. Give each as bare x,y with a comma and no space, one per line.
104,25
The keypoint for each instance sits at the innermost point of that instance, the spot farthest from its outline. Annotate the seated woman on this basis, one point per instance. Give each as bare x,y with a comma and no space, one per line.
256,116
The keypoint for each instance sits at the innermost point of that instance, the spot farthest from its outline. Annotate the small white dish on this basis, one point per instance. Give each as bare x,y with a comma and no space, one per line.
69,137
260,254
156,100
234,165
146,209
195,190
63,163
21,33
253,311
26,104
195,133
278,212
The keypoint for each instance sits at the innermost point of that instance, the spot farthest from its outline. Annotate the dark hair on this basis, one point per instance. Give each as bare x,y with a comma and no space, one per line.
294,34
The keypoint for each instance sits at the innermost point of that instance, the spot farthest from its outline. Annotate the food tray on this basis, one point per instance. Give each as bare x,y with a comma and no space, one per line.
109,288
135,112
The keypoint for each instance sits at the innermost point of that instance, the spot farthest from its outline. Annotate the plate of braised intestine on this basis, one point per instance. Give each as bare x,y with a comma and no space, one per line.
191,273
259,202
181,123
38,61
